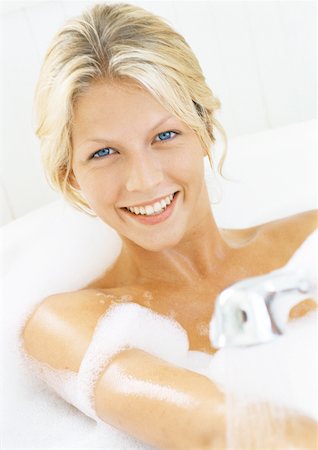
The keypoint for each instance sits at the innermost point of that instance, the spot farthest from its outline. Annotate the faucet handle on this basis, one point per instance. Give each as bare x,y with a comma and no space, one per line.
255,310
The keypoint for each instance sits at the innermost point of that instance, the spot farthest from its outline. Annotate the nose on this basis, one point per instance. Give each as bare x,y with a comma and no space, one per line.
144,172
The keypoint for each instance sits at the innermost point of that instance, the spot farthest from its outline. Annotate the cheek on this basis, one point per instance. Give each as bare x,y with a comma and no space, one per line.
187,163
98,188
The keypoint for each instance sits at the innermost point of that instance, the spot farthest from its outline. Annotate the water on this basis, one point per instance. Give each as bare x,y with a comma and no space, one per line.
271,389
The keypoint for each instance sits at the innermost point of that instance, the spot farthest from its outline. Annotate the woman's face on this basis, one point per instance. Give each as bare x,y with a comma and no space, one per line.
129,151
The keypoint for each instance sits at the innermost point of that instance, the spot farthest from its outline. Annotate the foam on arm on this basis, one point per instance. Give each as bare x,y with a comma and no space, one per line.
126,326
123,326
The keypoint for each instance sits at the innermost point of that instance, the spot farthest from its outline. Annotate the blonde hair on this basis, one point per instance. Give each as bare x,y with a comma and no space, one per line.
115,42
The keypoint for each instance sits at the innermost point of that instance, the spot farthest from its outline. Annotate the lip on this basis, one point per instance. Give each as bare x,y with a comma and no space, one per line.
158,218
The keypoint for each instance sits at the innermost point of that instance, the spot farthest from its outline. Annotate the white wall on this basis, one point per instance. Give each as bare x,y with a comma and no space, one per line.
259,58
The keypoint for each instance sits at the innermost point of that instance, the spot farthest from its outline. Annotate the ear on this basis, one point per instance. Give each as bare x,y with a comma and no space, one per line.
73,181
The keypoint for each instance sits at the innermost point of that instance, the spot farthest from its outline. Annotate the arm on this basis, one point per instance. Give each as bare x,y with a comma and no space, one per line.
145,396
161,404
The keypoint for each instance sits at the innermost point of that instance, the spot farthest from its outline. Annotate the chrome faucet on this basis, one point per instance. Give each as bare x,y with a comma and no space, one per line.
256,310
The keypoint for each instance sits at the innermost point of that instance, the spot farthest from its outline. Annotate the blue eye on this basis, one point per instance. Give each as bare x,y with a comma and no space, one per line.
166,135
102,152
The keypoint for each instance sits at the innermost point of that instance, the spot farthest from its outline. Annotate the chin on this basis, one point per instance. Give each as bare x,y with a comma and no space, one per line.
158,245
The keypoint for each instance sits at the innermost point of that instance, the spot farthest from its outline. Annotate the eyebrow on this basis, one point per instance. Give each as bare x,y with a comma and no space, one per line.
104,139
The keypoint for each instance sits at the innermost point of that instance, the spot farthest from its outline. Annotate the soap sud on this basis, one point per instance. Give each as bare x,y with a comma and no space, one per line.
264,384
121,299
124,325
63,382
283,371
106,296
260,372
125,298
128,325
55,421
203,329
147,298
147,295
172,314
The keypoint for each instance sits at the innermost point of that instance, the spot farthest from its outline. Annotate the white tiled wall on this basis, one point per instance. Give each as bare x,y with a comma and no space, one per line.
259,58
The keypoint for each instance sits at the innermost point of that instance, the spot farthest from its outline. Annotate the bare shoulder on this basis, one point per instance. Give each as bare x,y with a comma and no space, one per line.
61,327
279,239
292,230
274,242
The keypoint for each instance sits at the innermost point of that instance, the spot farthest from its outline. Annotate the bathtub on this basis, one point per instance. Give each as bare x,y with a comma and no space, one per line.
56,248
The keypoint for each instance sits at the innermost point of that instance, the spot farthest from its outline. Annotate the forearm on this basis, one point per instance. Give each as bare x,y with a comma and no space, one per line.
159,403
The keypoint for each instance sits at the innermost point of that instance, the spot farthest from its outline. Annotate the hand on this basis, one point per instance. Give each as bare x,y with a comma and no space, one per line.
261,425
301,432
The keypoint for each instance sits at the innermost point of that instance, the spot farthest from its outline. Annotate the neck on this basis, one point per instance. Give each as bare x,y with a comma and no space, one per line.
198,256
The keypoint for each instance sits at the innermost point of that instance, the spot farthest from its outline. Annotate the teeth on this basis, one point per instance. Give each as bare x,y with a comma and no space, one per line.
149,210
157,207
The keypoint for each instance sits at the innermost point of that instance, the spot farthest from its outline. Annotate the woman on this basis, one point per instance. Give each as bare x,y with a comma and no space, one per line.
125,119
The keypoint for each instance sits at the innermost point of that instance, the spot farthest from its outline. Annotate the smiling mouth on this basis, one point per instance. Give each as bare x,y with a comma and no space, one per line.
152,210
